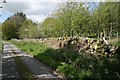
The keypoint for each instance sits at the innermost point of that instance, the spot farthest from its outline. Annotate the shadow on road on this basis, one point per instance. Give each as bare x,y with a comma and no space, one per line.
17,65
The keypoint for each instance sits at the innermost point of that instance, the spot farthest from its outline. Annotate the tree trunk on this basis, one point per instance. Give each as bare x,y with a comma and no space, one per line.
98,35
110,35
104,32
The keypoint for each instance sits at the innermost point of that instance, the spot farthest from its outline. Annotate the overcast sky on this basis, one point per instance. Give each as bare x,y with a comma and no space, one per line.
37,10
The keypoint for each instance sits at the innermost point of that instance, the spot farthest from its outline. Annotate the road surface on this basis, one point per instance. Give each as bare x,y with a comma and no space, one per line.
9,69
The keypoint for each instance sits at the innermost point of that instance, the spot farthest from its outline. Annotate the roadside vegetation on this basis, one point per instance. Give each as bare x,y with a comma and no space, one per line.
71,64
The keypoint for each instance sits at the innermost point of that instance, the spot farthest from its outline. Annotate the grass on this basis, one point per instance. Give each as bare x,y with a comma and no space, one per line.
116,44
30,47
71,64
39,51
22,69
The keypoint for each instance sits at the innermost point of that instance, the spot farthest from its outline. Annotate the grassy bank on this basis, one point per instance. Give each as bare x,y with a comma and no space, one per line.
71,64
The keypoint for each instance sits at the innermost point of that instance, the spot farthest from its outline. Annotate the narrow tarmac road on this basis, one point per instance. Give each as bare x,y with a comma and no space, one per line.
9,69
8,64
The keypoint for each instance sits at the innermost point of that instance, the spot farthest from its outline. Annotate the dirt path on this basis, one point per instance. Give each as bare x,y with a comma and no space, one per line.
9,69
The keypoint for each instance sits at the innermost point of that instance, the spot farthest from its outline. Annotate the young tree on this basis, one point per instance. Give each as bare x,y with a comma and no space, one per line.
107,18
73,18
28,29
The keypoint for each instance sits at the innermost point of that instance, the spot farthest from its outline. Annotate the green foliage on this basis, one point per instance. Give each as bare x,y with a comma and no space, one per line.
48,26
106,18
116,43
73,65
28,30
18,26
9,30
72,18
68,70
11,26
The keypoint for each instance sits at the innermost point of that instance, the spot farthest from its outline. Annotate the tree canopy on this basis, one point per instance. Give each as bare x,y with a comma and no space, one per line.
11,26
75,18
70,19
